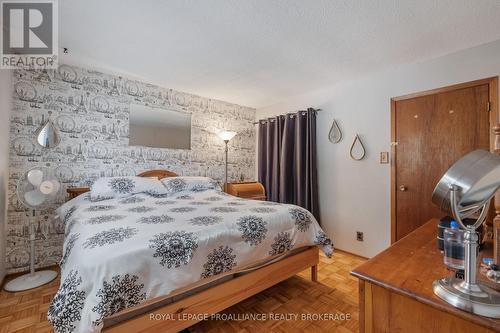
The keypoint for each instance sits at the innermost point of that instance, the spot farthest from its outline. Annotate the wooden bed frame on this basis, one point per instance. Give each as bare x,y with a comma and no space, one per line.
192,309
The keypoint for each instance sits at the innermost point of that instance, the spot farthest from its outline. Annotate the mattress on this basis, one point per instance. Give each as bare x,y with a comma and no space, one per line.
122,252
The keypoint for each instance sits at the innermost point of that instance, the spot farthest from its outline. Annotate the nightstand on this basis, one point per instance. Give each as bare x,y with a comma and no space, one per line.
76,191
247,190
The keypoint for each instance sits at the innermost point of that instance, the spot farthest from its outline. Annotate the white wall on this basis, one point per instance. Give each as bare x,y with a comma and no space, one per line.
355,196
5,108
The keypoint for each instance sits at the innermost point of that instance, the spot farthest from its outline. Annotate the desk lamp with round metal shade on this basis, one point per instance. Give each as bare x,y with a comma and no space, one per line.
226,136
464,191
35,189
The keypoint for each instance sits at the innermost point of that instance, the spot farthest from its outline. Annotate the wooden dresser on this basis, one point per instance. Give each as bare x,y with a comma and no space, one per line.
247,190
395,290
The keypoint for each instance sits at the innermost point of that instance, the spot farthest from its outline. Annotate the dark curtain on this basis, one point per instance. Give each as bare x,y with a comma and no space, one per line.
270,139
287,159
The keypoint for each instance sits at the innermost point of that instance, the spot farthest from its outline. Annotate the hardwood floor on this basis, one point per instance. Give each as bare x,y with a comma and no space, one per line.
336,292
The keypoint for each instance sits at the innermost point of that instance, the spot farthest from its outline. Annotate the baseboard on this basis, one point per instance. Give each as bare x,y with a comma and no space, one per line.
353,254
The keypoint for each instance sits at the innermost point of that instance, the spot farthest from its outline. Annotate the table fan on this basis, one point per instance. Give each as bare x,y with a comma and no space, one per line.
37,188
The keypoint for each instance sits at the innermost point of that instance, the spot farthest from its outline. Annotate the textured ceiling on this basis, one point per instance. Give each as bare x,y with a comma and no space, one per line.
260,52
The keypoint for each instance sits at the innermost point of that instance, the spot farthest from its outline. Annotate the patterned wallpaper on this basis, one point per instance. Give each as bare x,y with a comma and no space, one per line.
91,111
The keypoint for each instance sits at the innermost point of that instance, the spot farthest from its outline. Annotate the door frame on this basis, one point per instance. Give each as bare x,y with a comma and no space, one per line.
494,121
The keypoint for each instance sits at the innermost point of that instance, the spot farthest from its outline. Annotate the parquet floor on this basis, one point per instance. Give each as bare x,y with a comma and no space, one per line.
335,293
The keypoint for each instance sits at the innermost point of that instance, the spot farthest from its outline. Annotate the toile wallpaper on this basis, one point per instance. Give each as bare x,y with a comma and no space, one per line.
91,111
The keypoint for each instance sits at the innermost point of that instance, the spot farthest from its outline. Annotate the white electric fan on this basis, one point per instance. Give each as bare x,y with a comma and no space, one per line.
37,188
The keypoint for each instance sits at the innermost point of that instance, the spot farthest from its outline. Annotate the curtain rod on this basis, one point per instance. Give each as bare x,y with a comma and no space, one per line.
284,114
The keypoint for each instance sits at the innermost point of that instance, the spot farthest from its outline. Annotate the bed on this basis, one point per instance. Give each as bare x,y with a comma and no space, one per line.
162,262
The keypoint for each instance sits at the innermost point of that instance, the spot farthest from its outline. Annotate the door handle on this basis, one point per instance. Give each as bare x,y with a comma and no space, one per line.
403,188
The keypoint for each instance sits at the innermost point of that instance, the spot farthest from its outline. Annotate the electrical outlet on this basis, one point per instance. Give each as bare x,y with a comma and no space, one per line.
359,236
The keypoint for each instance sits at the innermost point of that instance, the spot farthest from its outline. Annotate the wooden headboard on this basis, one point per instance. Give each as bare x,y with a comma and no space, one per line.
160,174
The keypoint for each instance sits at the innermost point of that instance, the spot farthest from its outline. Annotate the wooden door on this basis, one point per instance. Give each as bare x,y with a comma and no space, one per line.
431,131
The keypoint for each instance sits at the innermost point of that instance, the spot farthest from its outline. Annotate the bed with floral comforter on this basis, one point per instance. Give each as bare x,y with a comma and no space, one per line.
121,251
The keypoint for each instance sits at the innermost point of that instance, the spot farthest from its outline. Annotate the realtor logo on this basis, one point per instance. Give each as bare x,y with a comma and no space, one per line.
29,34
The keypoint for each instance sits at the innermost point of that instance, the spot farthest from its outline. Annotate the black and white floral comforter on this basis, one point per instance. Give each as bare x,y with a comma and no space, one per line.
120,252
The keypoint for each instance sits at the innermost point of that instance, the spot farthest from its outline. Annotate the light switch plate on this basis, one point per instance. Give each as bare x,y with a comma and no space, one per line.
384,157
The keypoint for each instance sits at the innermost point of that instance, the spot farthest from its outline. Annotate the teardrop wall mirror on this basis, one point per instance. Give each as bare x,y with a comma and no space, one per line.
358,151
335,134
47,134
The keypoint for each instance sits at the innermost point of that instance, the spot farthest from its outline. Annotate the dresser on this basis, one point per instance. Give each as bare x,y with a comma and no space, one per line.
247,190
395,290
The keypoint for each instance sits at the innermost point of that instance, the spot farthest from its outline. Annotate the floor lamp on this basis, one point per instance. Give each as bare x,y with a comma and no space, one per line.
226,136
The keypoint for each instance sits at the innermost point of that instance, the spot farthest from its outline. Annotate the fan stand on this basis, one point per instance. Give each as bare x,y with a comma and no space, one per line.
32,279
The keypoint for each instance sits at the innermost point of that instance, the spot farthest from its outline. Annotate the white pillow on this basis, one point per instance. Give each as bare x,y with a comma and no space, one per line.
117,187
194,184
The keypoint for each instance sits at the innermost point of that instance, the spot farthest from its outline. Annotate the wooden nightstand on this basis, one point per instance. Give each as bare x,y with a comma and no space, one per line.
76,191
247,190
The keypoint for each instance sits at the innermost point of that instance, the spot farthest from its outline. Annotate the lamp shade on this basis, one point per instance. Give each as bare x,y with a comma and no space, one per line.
226,135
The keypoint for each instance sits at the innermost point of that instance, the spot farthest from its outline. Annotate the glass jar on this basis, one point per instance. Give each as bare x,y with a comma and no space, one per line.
454,249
